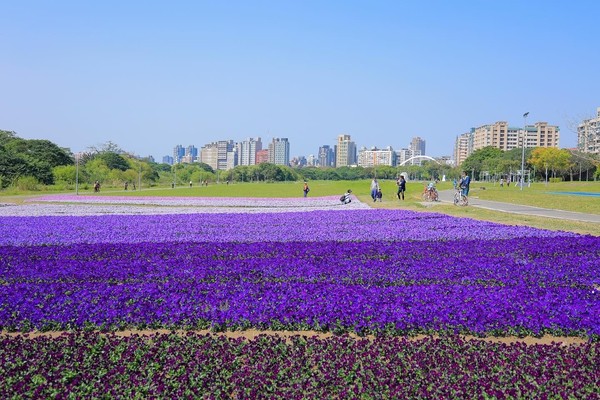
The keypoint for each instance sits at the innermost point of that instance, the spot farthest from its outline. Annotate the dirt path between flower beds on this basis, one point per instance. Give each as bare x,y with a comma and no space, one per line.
251,334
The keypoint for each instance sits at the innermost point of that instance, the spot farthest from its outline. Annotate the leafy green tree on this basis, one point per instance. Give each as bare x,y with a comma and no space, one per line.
114,160
475,162
43,150
11,167
66,174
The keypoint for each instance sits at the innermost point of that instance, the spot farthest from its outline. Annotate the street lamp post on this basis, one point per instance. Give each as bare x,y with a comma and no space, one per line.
523,151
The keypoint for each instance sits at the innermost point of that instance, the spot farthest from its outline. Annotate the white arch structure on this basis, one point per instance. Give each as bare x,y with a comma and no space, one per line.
418,157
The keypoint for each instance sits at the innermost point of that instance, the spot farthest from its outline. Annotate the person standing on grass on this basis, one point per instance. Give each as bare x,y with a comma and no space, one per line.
306,189
374,188
401,187
379,195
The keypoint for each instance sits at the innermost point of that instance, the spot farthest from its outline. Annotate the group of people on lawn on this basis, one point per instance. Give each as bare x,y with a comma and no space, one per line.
377,195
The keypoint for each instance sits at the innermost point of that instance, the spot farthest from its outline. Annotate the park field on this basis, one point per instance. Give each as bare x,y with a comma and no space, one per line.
553,195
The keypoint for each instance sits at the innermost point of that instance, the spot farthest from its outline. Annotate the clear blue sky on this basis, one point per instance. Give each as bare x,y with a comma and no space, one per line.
150,75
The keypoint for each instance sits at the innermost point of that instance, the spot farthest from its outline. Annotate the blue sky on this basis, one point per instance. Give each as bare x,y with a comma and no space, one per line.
150,75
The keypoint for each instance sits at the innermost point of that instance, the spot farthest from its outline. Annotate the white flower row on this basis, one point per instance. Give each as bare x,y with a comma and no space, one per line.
105,205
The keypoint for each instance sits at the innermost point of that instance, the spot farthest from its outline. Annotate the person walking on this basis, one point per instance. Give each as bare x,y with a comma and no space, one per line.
305,189
401,182
374,188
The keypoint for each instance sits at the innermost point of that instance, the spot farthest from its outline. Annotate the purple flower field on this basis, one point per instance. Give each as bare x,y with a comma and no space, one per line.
321,267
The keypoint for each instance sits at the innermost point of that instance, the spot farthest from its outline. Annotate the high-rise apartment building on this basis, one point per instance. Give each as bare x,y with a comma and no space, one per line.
326,156
279,151
505,137
219,155
262,156
345,151
167,160
417,146
191,155
374,157
463,147
588,135
178,153
247,151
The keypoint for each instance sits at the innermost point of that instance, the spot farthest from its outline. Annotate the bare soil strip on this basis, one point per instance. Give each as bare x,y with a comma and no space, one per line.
251,334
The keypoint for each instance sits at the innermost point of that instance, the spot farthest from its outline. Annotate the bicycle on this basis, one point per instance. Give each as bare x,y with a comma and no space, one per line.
430,194
460,199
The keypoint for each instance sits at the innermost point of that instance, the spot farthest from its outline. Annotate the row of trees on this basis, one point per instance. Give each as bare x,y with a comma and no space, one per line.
28,163
542,162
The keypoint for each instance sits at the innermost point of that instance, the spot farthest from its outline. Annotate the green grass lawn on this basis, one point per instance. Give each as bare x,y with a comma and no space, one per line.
553,195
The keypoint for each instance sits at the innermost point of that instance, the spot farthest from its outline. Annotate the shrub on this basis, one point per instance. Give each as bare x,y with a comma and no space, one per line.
27,183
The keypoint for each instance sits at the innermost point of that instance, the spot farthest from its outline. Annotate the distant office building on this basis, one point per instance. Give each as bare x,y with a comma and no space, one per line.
178,153
262,156
167,160
588,135
417,146
376,157
298,162
209,154
191,152
326,156
219,155
345,151
404,155
279,151
312,161
463,147
247,151
191,155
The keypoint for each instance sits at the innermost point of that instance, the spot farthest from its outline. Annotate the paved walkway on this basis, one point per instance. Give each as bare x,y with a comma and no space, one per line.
447,196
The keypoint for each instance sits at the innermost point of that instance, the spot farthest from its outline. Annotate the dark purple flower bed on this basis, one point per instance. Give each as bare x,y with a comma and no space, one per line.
529,286
91,365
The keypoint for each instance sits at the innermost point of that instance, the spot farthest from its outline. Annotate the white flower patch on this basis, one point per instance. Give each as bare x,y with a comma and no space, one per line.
95,205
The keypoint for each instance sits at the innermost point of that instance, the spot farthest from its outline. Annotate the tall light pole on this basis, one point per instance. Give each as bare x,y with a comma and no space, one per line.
523,151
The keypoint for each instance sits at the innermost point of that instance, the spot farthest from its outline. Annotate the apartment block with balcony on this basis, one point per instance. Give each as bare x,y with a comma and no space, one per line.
505,137
279,151
247,151
370,158
463,147
345,154
588,135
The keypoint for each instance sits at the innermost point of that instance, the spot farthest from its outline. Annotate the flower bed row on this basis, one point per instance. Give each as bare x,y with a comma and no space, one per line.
82,205
91,365
528,286
308,226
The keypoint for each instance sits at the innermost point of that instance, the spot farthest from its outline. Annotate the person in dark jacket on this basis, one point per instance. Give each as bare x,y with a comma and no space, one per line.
401,187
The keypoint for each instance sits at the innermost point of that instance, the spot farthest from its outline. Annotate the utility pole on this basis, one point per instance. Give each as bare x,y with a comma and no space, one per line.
523,151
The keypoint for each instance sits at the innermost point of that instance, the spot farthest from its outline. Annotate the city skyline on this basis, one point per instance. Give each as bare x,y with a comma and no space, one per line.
140,75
